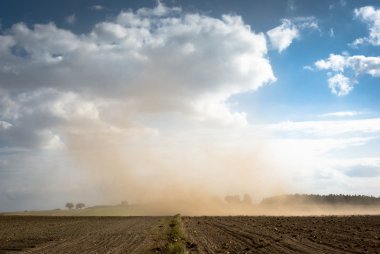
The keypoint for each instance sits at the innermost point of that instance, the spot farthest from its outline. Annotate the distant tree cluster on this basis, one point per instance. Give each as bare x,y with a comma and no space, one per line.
332,199
80,205
70,205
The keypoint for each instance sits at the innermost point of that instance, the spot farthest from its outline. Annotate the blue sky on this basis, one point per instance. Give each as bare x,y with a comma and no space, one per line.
99,98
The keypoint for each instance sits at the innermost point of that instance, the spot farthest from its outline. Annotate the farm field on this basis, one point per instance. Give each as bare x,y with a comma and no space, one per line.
326,234
34,234
233,234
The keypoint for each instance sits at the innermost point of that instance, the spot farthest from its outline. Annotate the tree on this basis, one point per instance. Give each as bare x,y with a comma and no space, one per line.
80,205
70,205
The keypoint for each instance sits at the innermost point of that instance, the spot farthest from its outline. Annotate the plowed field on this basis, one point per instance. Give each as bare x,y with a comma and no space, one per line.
80,234
237,234
328,234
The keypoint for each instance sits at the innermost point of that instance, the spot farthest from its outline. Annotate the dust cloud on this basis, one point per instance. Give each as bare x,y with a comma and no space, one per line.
188,173
192,173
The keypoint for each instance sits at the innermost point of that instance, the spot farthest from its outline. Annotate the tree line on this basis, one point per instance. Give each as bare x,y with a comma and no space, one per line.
70,205
331,199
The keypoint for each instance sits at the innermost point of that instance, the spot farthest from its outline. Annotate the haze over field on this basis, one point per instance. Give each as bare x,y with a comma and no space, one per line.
182,104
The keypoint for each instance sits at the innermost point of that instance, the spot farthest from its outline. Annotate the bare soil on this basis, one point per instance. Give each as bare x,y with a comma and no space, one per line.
31,234
234,234
325,234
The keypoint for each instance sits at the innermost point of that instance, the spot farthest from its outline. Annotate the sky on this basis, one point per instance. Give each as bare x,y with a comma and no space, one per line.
104,101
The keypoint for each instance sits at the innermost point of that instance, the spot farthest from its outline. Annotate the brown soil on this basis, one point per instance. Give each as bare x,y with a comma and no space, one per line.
238,234
81,234
326,234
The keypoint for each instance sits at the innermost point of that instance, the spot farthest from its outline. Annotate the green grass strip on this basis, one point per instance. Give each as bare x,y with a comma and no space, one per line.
176,237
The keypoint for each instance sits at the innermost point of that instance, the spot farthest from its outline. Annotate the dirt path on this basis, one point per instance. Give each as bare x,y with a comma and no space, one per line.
80,235
331,234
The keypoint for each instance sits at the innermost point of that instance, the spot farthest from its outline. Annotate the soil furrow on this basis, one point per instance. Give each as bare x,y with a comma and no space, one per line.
79,235
328,234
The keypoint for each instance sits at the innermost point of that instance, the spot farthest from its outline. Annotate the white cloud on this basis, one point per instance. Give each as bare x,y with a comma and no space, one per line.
324,154
308,68
339,83
341,114
308,162
371,17
349,128
303,23
334,63
282,36
126,65
36,119
365,65
359,64
71,19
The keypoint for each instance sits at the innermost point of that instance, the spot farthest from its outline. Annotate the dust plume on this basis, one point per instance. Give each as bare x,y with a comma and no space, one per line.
190,173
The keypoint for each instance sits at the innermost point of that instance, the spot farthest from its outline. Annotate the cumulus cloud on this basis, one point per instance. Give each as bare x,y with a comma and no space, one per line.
359,64
281,37
371,16
356,65
100,96
340,85
34,119
151,60
334,63
125,76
